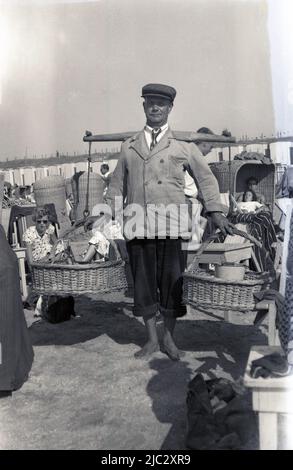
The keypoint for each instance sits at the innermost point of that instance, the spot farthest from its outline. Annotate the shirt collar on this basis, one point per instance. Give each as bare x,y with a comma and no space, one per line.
163,128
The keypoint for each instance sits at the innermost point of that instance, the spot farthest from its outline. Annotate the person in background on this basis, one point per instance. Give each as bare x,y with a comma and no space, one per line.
191,191
285,186
15,191
106,175
22,192
70,208
205,147
30,194
252,185
7,189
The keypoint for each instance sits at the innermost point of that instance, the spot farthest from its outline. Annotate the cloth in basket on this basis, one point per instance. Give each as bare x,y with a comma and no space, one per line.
77,279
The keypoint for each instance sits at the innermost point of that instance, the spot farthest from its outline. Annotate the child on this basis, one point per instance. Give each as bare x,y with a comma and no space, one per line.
104,230
250,204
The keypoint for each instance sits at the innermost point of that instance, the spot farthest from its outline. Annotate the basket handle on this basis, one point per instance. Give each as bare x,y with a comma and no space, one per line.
206,243
214,236
53,252
70,230
248,237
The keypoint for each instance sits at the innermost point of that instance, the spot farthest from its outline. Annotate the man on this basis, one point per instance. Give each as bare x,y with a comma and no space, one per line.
252,185
106,175
150,174
191,191
205,148
105,172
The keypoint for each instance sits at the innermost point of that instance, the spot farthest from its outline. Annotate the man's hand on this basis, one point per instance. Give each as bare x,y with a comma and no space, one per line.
222,223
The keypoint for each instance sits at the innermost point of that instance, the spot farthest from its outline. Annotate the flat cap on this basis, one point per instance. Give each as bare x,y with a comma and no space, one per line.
158,89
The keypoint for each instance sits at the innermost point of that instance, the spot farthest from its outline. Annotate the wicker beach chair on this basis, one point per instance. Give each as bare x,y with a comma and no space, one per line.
233,176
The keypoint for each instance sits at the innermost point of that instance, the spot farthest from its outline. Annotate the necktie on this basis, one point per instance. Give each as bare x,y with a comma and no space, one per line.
155,133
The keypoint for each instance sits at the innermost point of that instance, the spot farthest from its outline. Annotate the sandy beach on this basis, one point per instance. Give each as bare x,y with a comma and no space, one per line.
87,391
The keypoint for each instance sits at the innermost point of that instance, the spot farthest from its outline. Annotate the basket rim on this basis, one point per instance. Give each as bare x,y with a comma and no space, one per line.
61,292
78,267
215,280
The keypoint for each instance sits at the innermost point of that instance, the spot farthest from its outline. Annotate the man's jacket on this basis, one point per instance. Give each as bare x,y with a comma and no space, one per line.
151,185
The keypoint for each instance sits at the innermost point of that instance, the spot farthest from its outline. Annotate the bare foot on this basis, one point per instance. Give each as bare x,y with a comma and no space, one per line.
148,349
169,347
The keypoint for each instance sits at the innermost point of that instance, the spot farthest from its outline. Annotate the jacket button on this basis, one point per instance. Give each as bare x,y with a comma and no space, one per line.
162,161
159,182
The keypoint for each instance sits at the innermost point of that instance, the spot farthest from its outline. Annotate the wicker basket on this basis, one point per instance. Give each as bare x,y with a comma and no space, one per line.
52,190
96,189
204,290
95,278
233,177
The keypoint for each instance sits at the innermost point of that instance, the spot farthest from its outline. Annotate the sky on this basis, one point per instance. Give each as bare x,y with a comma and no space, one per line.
280,29
68,66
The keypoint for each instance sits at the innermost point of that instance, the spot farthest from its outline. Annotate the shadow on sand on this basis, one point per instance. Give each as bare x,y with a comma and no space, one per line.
213,348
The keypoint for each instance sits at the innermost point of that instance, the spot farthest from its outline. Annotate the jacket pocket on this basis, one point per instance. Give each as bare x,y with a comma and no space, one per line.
176,168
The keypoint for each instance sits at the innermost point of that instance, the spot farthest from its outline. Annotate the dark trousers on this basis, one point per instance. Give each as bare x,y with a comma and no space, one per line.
157,266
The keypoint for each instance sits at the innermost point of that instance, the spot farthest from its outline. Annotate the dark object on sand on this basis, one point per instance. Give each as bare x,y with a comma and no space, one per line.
218,415
59,309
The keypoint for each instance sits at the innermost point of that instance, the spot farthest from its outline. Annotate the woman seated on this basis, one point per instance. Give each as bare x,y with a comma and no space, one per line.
250,204
252,185
259,223
39,238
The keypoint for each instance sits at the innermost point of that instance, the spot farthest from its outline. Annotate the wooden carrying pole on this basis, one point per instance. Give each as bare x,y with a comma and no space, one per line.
265,141
189,137
178,135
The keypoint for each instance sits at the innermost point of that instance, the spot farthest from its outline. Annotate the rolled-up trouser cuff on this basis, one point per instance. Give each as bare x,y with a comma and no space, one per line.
173,313
146,312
